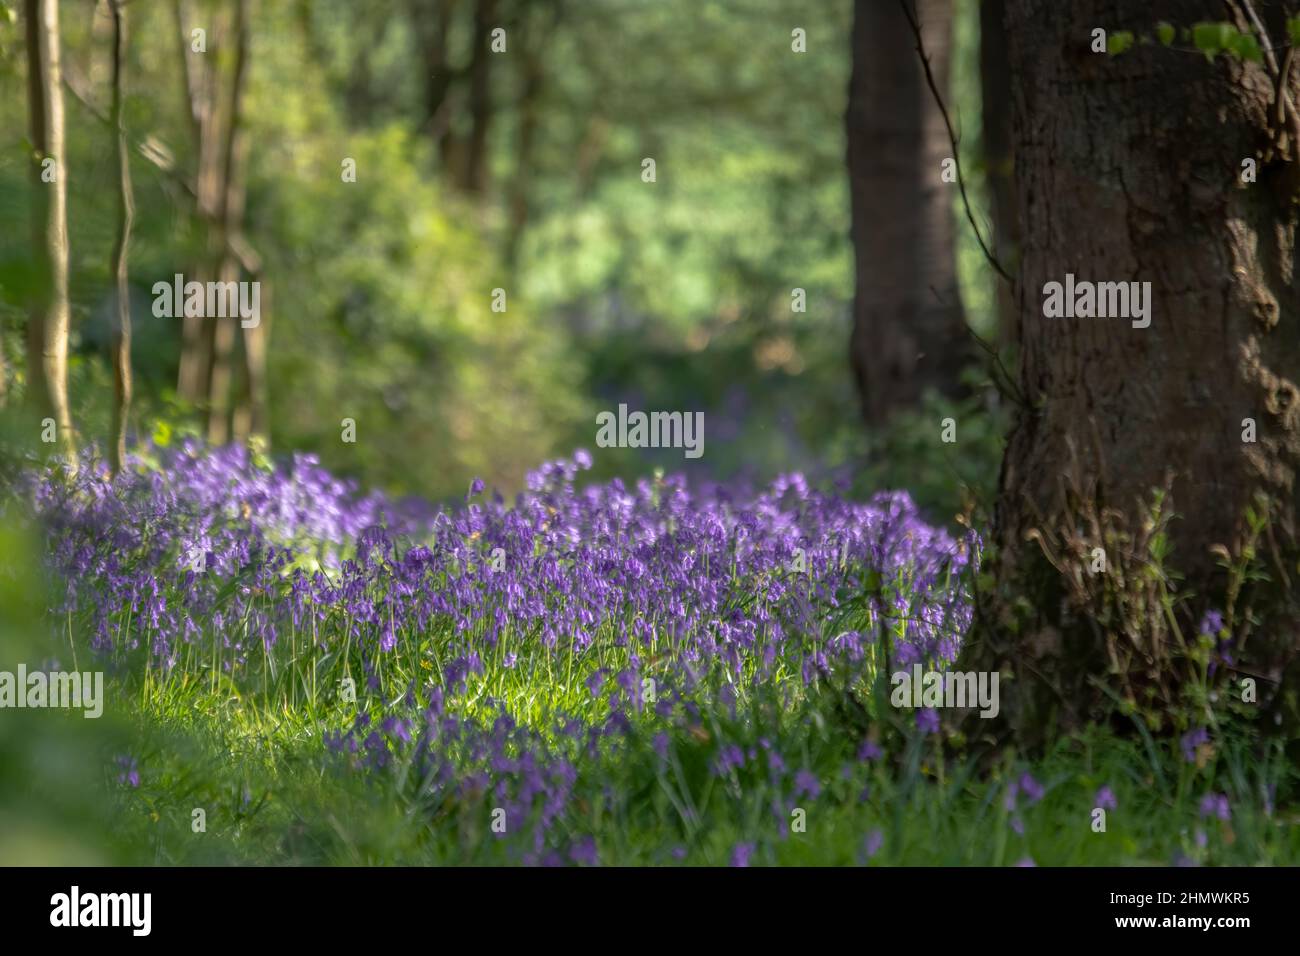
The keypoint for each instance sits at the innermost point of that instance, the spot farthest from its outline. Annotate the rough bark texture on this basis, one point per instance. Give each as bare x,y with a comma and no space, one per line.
999,154
1128,169
908,334
47,329
121,340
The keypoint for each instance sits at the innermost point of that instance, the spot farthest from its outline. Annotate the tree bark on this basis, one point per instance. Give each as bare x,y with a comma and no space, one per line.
480,99
432,20
1128,169
121,340
47,330
201,107
536,34
999,155
251,420
229,225
908,331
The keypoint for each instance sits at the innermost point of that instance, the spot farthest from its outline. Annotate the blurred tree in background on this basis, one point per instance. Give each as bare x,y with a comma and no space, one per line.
389,170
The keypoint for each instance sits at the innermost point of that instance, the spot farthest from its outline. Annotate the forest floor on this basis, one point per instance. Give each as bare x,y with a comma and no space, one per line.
650,674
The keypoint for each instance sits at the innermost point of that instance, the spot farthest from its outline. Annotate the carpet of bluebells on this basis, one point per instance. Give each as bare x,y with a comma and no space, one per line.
212,551
591,673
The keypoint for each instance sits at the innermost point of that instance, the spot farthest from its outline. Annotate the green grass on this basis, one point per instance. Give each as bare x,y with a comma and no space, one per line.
256,764
250,752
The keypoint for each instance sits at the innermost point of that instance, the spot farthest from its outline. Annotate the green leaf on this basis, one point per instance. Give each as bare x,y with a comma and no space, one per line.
1119,41
1245,46
1165,32
1293,29
1212,38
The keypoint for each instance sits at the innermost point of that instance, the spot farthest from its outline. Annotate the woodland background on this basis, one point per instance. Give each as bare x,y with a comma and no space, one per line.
521,171
798,146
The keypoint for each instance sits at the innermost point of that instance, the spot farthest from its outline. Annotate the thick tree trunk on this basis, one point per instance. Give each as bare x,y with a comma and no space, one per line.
908,332
1128,170
121,340
999,154
47,330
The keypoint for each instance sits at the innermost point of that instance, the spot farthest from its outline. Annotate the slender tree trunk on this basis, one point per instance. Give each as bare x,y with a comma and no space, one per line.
908,332
224,333
440,78
229,226
999,155
1129,170
47,337
125,215
202,107
251,420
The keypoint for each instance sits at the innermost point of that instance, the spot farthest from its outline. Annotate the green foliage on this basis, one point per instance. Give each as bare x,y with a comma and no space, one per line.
1211,38
392,326
272,794
945,479
1119,41
669,295
977,282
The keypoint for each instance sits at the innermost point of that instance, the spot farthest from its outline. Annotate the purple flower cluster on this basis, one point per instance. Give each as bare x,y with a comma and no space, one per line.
1192,741
635,593
211,546
187,543
1212,627
1216,805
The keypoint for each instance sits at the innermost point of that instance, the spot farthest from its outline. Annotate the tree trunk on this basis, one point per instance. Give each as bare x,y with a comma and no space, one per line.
908,331
536,35
432,21
121,343
200,87
480,99
1128,170
251,420
999,155
229,225
47,330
